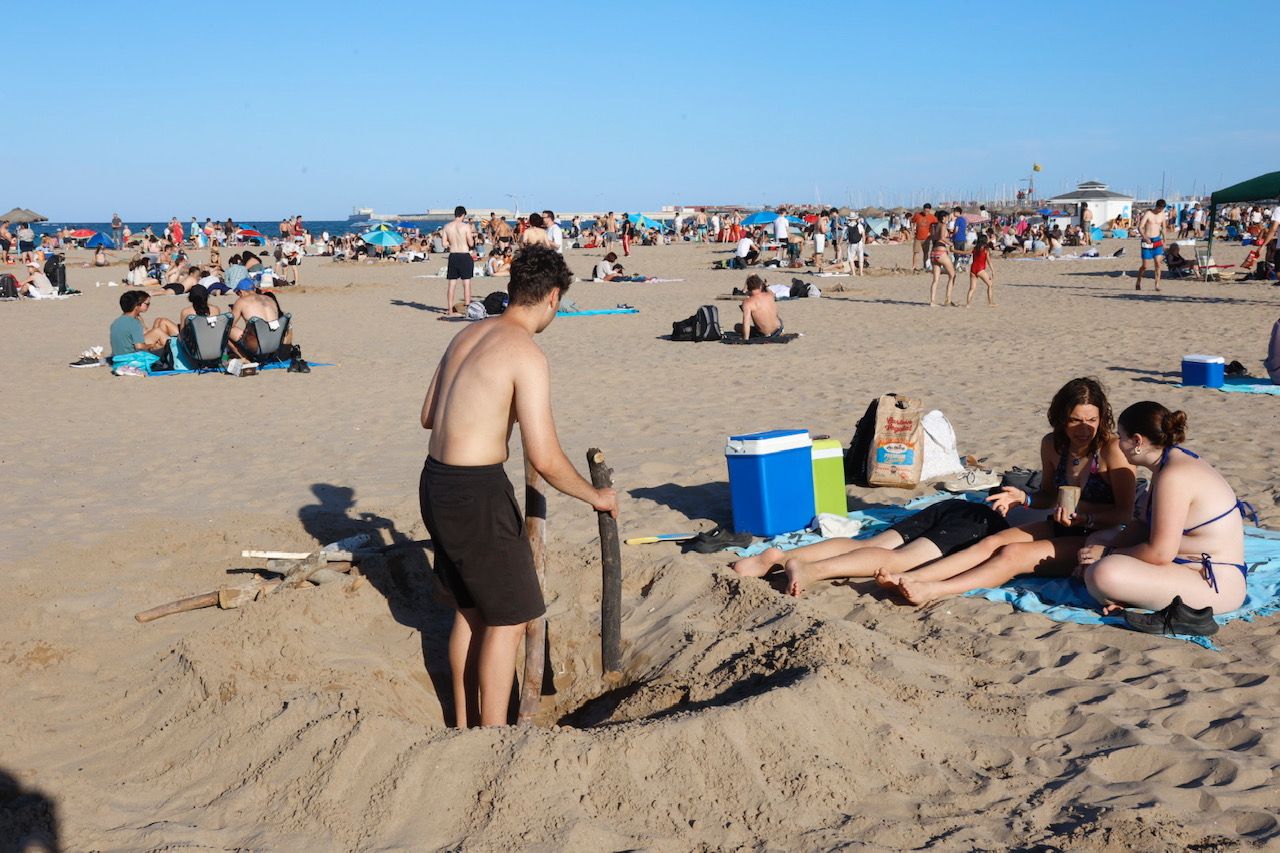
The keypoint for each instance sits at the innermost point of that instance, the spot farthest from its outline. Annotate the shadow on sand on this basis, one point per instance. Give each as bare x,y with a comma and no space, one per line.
404,578
28,817
709,500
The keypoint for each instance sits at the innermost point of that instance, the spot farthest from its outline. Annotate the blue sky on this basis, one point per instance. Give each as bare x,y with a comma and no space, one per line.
269,109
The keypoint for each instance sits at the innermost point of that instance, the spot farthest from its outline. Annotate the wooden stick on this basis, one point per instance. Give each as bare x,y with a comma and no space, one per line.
327,556
182,605
536,651
611,571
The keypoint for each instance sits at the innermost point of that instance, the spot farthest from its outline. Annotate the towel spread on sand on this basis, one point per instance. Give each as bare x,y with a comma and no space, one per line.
597,312
275,365
1066,599
1245,385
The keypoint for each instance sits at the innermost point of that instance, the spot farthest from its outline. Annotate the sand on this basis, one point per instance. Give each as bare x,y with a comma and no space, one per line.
745,719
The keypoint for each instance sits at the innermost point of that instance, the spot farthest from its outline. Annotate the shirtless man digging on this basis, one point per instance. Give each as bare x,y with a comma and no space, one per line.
1151,231
759,312
492,376
459,239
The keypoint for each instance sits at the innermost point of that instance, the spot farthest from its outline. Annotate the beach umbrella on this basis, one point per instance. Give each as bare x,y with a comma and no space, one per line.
764,217
378,237
642,221
81,233
22,216
99,239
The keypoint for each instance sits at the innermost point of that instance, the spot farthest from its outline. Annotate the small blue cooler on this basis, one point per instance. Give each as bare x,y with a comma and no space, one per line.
770,481
1206,370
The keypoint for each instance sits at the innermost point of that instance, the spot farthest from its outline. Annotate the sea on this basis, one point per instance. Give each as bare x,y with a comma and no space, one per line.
335,227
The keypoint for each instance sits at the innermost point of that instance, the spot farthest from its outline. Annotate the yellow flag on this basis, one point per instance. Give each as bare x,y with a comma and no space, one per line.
1035,167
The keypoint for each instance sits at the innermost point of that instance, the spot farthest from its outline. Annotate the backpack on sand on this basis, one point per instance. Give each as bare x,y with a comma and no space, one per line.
8,286
495,303
706,324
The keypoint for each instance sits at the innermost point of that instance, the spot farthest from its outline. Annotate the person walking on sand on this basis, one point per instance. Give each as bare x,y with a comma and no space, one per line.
940,255
459,239
980,270
1151,231
922,225
493,375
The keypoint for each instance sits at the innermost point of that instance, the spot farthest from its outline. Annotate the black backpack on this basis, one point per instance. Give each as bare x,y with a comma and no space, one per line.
495,303
702,326
8,286
56,272
856,458
853,233
706,324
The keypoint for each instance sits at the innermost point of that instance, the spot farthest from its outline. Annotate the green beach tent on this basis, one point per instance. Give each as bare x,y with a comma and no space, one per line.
1261,188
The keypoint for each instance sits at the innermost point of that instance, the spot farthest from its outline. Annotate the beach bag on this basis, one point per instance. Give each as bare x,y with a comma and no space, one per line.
888,444
56,272
683,330
706,324
799,290
495,303
941,458
476,310
8,286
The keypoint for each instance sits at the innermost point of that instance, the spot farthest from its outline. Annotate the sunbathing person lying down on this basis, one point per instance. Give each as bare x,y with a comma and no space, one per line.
936,531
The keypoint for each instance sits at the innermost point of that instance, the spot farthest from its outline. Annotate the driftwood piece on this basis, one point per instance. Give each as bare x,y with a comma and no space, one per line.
611,571
536,647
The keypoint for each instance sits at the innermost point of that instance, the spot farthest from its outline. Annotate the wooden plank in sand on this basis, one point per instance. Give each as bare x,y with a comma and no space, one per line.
535,632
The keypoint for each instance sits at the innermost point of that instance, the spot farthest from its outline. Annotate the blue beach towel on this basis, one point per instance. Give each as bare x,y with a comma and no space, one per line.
597,312
275,365
1249,385
1066,599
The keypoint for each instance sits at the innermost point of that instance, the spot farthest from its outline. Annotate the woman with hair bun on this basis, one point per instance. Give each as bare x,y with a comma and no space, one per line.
1081,450
1191,542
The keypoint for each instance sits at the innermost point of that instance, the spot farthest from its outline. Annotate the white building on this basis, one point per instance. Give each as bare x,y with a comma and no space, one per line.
1105,204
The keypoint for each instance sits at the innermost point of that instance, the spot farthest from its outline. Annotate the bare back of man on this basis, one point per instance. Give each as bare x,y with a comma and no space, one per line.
248,306
491,377
759,314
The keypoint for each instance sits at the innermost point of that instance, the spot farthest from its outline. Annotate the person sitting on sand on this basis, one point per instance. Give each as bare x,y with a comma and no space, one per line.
759,312
127,334
1190,542
936,531
747,253
237,275
608,269
139,274
1081,450
242,339
37,285
100,257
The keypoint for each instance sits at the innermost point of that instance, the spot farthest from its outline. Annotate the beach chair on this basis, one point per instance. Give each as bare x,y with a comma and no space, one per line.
205,340
1209,271
271,340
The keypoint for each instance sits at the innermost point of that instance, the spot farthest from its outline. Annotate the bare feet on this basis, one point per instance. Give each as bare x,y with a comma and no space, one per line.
759,565
797,577
886,580
918,593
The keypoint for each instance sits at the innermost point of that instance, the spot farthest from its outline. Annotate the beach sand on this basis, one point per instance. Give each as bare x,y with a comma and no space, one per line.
745,719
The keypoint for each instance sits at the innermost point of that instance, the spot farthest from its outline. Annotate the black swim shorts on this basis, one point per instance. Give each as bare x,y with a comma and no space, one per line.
461,265
951,525
481,554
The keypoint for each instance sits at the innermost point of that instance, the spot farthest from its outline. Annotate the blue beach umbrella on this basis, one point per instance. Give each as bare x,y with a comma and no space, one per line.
382,237
642,221
100,239
764,217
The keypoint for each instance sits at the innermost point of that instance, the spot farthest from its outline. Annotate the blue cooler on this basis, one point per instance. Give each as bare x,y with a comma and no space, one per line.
1206,370
770,481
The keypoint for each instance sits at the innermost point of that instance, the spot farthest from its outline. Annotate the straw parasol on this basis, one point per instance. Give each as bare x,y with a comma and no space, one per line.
23,216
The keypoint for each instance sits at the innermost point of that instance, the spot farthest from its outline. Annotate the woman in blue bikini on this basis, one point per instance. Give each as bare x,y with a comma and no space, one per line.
1192,542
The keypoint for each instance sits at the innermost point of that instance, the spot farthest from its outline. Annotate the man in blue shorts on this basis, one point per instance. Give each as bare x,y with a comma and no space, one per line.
1151,231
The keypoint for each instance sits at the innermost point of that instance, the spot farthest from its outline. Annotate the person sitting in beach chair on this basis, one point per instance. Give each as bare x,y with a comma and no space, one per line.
1176,264
259,328
759,312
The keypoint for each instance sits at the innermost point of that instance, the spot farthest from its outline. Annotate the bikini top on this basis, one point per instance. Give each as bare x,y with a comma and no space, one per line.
1245,509
1096,489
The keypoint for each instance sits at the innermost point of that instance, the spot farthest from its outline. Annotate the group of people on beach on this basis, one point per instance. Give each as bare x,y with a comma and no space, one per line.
1185,540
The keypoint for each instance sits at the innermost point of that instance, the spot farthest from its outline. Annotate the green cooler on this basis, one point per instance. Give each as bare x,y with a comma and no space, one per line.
828,477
